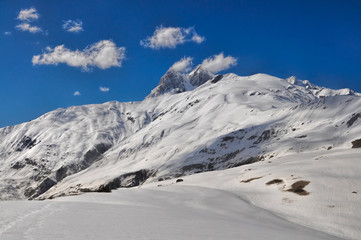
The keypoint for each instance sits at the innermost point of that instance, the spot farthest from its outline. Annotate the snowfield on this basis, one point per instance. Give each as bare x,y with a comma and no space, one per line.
260,157
173,211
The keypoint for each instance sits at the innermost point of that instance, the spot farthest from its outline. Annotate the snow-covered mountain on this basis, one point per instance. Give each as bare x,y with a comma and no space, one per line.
189,123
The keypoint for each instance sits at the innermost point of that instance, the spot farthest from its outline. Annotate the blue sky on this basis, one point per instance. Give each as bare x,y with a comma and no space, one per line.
315,40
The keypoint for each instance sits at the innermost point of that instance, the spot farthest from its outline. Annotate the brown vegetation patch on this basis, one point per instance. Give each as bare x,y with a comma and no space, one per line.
298,186
274,181
250,179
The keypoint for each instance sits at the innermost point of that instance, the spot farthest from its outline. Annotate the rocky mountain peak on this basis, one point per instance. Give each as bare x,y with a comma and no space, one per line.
303,83
199,76
172,81
177,82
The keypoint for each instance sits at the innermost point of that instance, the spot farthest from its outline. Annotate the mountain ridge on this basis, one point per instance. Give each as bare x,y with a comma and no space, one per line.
226,121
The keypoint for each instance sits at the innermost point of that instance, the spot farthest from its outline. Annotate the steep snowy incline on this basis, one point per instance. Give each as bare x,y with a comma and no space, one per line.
235,121
37,154
225,122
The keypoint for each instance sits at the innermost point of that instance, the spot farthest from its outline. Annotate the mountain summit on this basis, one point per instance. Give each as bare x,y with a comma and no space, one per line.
199,76
176,82
189,123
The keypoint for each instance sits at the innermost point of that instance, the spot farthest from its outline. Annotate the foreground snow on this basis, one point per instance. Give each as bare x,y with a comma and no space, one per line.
235,203
175,212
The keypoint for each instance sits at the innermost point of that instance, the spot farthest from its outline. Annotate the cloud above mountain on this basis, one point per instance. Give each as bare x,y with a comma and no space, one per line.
170,37
218,63
73,26
26,16
26,27
103,54
104,89
29,14
183,65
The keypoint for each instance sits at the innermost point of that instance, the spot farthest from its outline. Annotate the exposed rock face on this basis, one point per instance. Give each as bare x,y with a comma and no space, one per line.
356,143
295,81
26,142
353,119
172,81
32,193
176,82
199,76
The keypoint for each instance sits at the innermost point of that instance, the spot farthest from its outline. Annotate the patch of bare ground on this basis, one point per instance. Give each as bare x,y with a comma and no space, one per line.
250,179
275,181
298,188
356,143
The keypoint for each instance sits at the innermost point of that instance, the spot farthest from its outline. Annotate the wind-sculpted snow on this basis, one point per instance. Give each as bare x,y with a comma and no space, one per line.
187,125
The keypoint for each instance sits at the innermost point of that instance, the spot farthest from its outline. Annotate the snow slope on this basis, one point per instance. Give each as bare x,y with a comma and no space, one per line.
225,122
217,126
171,212
304,137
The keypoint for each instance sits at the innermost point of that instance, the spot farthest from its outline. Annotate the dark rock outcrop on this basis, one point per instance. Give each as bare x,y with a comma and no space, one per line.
127,180
172,81
356,143
26,142
353,119
199,76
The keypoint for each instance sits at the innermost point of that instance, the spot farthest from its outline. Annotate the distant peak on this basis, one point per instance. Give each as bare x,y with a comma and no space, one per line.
303,83
292,79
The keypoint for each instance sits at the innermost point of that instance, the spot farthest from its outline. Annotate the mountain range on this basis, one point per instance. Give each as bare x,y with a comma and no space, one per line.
189,123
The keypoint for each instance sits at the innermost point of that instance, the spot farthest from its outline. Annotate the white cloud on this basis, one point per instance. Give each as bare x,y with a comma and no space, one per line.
183,65
28,14
198,39
103,54
76,93
26,27
170,37
104,89
73,26
7,33
218,63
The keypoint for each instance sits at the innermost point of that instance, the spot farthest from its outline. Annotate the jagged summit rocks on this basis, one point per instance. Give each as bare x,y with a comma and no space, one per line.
177,82
173,81
319,91
303,83
199,76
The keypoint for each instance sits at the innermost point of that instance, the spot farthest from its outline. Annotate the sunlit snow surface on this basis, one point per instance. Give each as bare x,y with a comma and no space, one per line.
300,135
212,205
174,212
